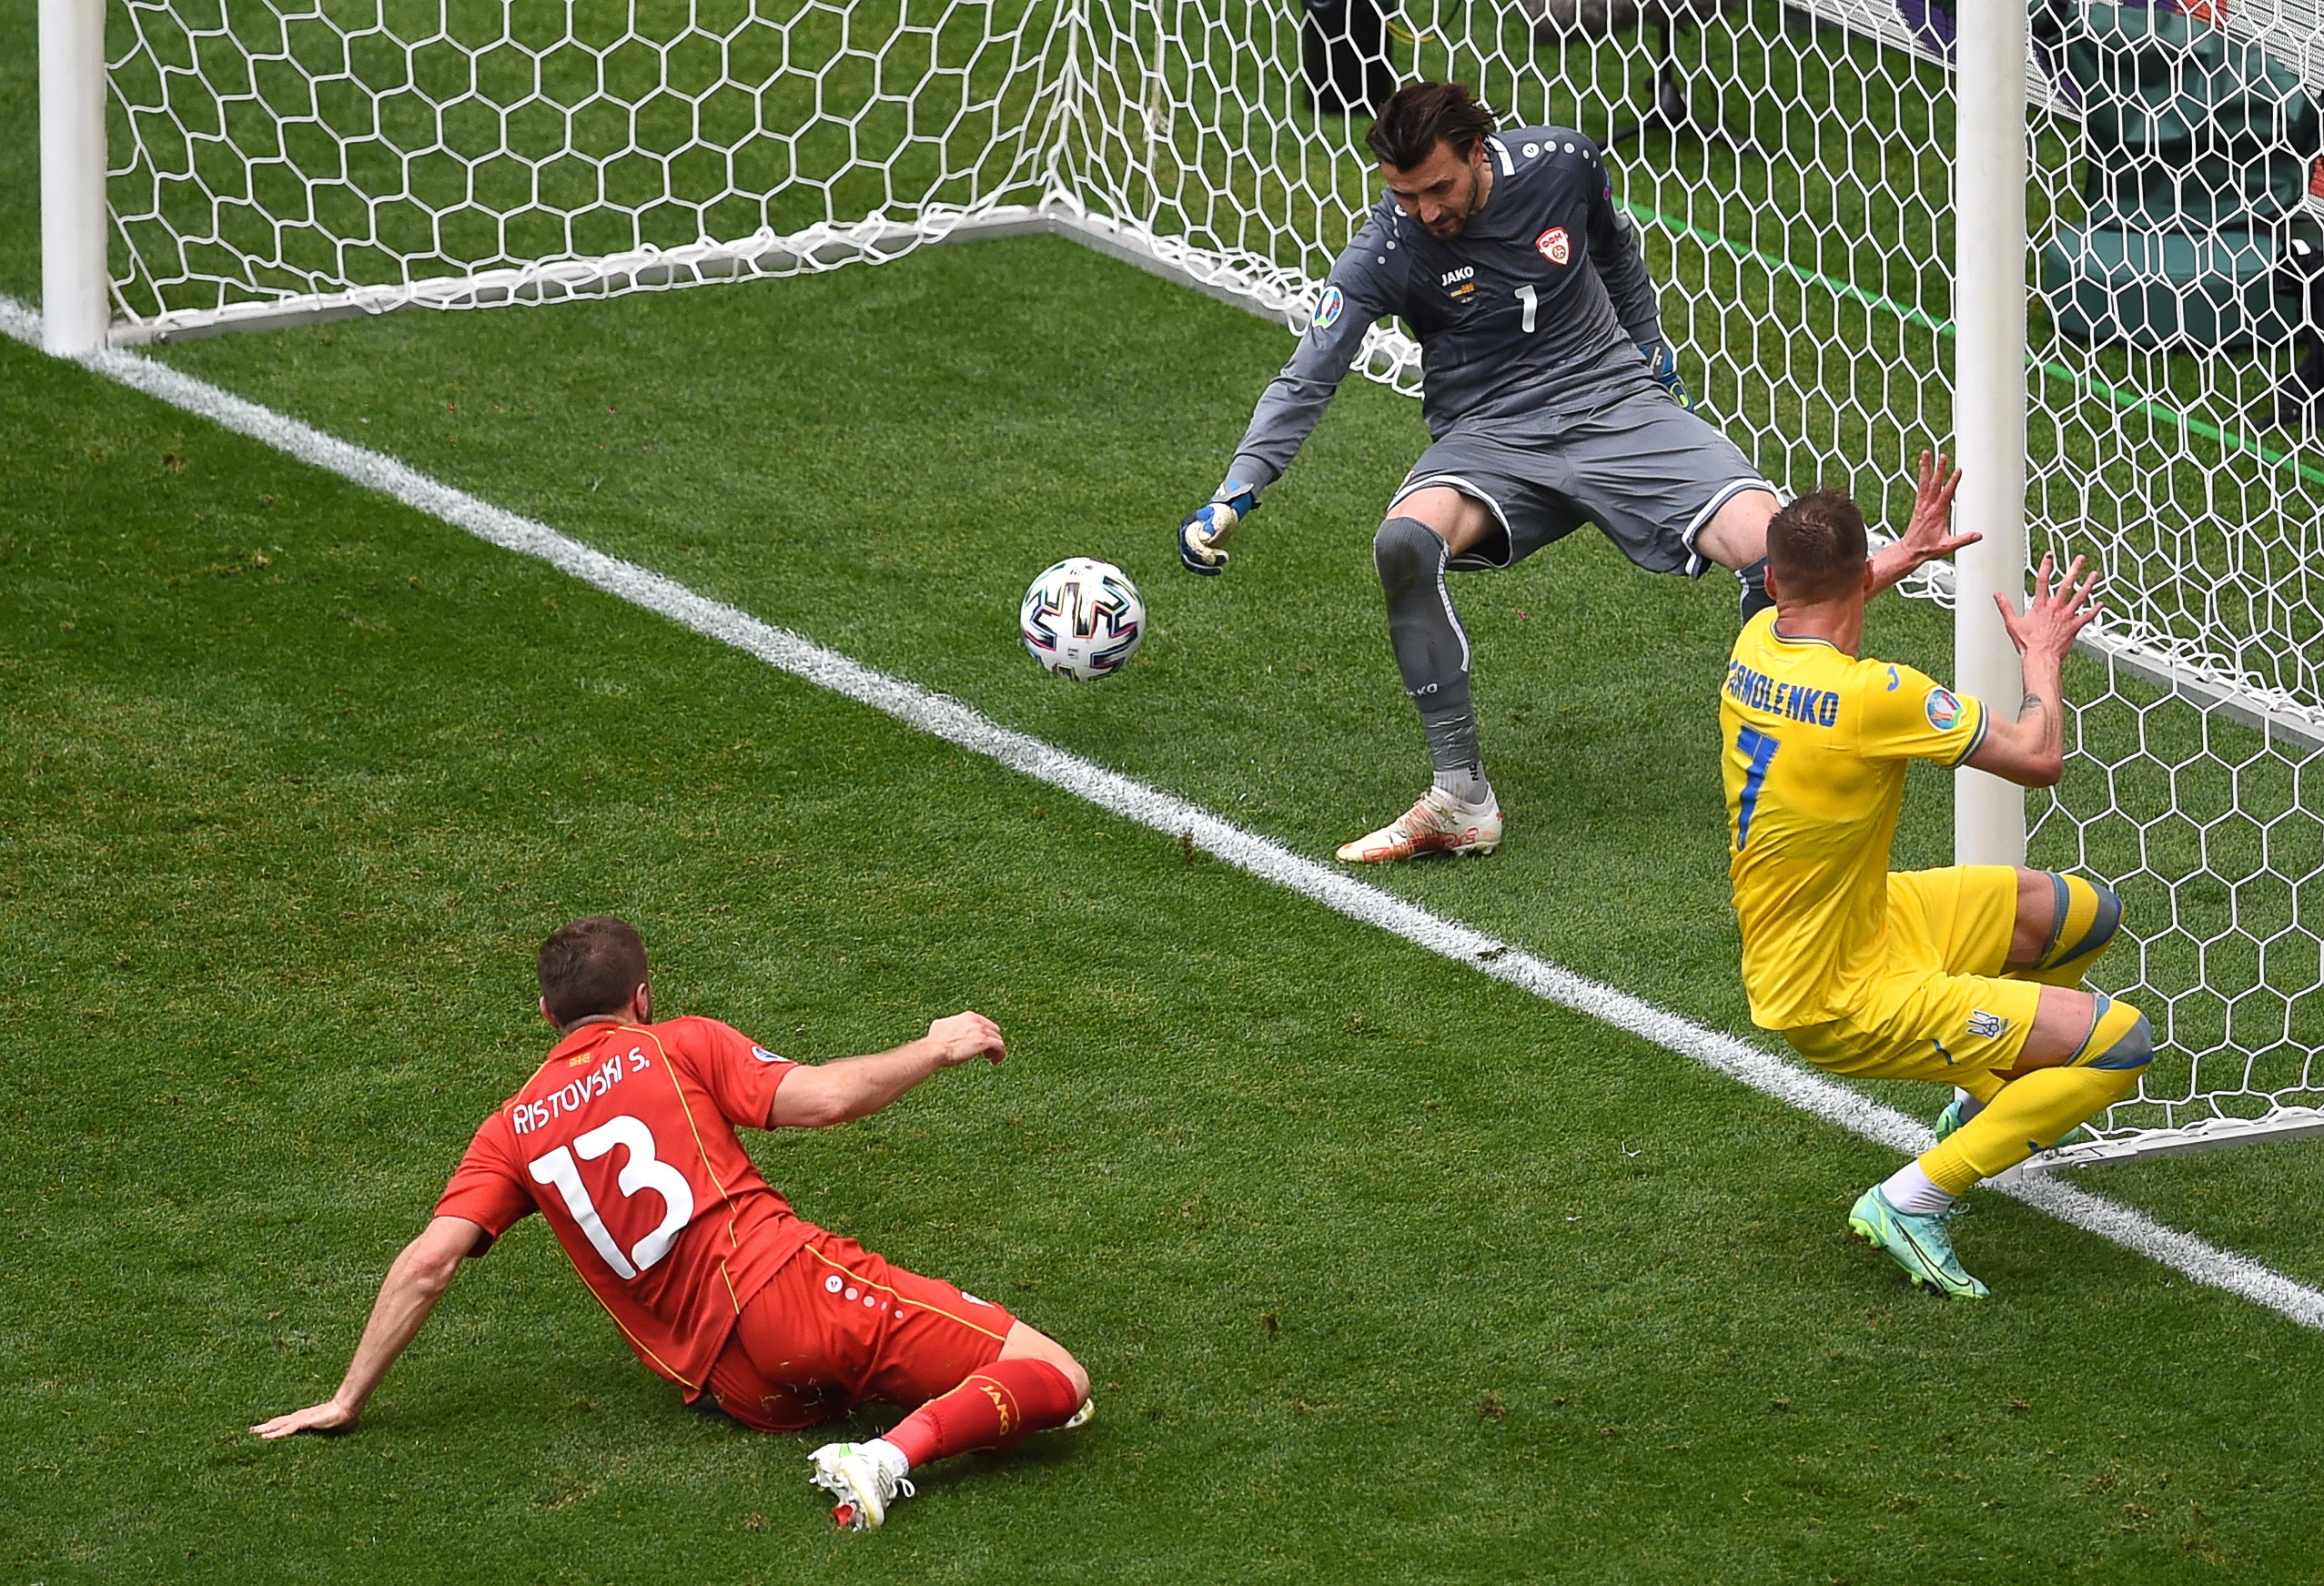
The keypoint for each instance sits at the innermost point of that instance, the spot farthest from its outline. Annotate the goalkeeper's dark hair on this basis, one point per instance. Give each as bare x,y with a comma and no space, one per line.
591,966
1417,114
1816,547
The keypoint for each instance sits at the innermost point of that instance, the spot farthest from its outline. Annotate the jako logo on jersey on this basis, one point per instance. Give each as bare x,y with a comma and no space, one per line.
1464,273
1552,244
1986,1026
1328,308
1943,709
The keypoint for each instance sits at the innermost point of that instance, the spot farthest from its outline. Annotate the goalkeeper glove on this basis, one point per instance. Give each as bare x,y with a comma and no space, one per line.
1205,529
1662,364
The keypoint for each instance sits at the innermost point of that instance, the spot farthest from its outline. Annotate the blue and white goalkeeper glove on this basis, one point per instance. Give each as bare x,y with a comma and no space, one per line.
1662,364
1203,533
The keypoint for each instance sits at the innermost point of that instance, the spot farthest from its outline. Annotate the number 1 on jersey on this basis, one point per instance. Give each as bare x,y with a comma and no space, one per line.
1532,300
1759,748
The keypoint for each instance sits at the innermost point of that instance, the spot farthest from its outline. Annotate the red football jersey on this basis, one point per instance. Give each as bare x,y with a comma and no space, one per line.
624,1140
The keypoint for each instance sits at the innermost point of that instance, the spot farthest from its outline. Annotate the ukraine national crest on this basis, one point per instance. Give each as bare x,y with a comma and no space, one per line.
1552,245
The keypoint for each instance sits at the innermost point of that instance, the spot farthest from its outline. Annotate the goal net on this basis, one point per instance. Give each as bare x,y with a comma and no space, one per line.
286,158
275,159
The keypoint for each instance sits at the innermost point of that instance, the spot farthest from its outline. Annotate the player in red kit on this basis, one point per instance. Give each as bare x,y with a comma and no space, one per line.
625,1142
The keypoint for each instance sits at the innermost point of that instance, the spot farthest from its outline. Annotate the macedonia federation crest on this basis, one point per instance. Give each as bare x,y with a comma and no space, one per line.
1552,245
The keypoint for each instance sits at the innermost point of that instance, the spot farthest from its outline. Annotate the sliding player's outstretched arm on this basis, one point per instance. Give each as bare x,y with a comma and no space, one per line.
817,1095
2031,749
413,1286
1358,294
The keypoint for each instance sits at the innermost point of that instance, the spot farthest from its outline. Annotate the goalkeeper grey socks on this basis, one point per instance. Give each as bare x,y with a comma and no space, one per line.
1431,652
1452,749
1755,598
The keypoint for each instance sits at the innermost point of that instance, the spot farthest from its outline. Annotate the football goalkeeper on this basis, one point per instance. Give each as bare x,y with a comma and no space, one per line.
1553,397
1970,976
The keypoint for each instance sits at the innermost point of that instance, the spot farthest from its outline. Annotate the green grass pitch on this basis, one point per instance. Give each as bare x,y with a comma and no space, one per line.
1383,1270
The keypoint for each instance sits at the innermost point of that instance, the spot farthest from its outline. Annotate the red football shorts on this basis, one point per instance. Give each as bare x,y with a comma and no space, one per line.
838,1324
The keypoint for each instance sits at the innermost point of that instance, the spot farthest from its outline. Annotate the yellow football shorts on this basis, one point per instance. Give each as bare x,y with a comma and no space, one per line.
1943,1007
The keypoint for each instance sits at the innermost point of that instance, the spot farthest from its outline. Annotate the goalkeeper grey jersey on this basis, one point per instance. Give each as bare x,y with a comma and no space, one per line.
1534,312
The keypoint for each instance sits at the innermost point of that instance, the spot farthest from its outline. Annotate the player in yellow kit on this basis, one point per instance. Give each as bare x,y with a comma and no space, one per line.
1969,977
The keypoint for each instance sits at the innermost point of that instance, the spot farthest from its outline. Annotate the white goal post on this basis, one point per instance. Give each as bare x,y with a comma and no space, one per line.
1875,223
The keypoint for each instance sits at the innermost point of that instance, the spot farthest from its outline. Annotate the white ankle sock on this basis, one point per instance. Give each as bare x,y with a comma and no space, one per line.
889,1455
1465,788
1914,1192
1970,1105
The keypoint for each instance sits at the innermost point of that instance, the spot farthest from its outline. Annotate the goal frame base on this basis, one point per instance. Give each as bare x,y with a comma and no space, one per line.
2297,1123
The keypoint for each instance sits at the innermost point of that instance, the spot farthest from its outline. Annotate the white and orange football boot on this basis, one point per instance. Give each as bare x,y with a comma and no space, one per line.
1439,824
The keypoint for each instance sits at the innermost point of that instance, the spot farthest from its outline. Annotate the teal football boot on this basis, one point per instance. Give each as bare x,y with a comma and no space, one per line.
1920,1245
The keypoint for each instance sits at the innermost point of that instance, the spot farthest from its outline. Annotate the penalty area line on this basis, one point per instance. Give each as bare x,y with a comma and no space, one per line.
955,722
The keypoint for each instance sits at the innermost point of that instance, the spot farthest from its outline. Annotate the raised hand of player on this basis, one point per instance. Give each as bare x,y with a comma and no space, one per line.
1203,533
2057,611
329,1415
965,1036
1929,535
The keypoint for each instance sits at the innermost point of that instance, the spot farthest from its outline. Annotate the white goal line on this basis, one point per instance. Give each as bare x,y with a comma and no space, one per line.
958,723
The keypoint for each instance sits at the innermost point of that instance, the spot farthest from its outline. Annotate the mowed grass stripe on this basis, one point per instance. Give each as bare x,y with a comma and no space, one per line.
959,724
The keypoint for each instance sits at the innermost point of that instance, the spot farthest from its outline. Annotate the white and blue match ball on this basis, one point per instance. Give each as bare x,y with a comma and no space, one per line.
1081,619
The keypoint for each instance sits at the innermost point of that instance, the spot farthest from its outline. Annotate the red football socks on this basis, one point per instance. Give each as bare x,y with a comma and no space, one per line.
992,1410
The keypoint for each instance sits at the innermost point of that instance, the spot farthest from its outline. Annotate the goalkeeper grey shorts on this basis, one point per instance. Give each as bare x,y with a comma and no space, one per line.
1646,472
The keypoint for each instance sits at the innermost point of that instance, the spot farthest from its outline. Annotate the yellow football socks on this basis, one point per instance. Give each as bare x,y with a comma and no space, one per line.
2033,1112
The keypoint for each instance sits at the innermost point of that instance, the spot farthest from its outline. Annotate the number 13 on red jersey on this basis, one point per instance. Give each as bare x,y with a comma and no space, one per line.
643,1170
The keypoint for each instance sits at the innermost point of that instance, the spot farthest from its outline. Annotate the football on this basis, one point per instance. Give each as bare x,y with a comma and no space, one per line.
1081,619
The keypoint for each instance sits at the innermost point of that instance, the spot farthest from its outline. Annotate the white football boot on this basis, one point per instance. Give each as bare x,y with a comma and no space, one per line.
860,1480
1439,824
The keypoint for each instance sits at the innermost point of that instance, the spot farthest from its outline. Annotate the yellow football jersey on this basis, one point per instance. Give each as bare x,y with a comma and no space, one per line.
1815,746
